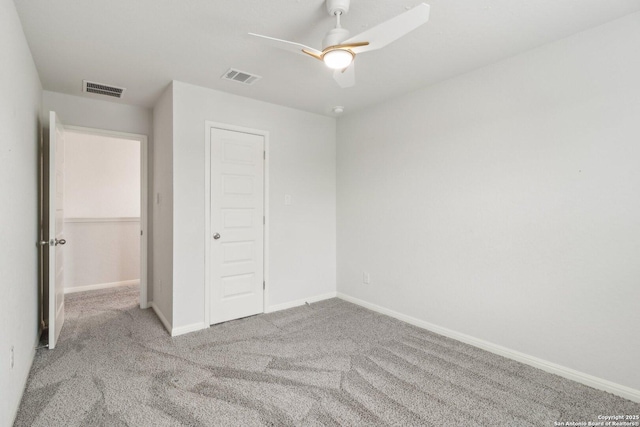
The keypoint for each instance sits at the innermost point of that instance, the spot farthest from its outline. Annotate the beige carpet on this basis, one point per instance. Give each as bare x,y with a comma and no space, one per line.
331,363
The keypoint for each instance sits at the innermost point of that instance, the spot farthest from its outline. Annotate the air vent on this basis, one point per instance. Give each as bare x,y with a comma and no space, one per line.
102,89
240,77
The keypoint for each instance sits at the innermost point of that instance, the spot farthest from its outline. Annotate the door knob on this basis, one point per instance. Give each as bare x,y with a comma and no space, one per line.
43,242
216,236
60,242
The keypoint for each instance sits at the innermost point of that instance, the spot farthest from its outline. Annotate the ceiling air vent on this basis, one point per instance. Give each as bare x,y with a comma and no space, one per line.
102,89
240,77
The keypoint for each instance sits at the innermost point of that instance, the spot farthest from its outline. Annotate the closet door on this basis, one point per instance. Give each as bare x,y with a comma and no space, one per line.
237,225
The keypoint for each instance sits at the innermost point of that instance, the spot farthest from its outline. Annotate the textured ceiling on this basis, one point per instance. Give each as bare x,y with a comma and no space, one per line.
144,44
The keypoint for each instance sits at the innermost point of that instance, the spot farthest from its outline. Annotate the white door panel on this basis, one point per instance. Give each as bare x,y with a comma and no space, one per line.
237,211
56,228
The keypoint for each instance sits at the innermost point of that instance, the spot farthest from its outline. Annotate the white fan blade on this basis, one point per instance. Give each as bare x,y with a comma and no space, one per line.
287,45
391,30
346,78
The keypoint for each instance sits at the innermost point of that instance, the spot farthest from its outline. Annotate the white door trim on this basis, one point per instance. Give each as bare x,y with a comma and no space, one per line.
144,192
208,125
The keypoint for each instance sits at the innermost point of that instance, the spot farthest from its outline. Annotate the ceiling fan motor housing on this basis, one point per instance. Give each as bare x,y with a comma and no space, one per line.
335,6
335,37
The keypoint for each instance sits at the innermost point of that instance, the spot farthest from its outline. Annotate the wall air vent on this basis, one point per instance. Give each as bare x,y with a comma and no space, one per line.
240,77
102,89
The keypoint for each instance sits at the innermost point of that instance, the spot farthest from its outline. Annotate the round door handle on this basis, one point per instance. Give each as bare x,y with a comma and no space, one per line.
60,242
216,236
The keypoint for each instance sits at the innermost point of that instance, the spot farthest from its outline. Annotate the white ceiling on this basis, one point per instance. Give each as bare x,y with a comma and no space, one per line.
144,44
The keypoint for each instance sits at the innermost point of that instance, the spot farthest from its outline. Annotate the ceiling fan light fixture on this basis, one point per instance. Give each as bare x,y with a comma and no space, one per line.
338,59
339,49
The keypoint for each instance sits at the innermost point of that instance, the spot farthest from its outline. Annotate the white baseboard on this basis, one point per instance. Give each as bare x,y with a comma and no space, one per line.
299,302
188,328
199,326
100,286
174,332
580,377
163,319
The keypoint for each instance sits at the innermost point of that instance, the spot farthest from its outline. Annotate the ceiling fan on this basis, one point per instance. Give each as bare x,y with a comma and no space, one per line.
339,50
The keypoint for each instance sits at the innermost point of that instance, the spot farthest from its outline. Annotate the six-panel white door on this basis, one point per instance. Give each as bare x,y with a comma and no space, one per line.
237,225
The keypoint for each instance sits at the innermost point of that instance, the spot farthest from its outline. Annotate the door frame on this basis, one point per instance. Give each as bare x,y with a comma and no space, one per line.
144,201
208,125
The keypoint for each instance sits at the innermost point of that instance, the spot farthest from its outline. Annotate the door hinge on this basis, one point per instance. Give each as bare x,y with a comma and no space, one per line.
264,285
141,232
264,220
264,155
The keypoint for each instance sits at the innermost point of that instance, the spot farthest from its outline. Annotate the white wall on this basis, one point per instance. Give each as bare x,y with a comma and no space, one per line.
102,176
504,203
102,211
301,163
101,253
162,200
98,114
107,115
19,137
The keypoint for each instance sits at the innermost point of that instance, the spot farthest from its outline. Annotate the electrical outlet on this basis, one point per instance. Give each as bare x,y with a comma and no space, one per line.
365,278
12,358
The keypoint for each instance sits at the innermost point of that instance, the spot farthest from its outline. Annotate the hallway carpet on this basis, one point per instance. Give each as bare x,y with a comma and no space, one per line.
331,363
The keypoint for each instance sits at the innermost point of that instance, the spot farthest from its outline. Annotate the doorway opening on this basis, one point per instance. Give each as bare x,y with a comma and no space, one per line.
100,218
103,211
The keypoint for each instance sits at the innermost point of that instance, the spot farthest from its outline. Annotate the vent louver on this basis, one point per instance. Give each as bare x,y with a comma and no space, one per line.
102,89
240,77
